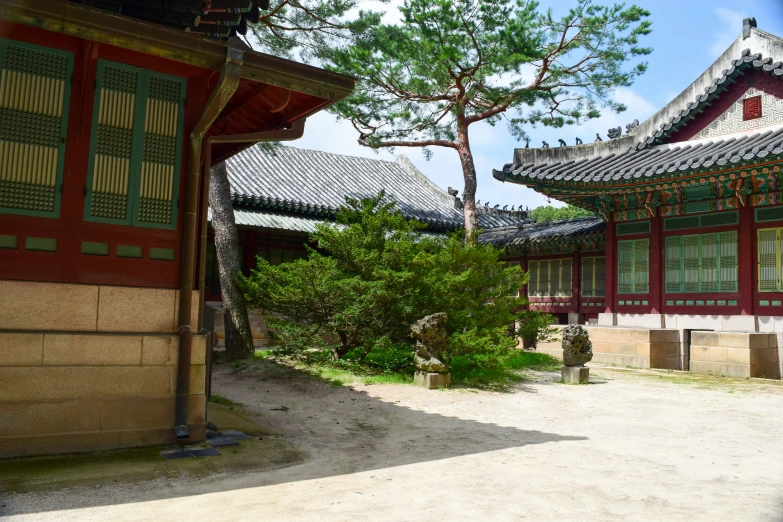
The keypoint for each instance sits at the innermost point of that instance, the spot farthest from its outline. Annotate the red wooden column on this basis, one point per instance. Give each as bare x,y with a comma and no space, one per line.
576,278
745,266
611,255
656,265
523,267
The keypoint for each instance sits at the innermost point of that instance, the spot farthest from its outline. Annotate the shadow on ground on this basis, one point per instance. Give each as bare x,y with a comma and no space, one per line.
324,430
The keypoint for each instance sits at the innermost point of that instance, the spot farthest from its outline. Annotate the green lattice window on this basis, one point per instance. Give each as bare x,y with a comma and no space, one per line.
136,147
770,251
593,276
35,87
702,263
633,266
549,278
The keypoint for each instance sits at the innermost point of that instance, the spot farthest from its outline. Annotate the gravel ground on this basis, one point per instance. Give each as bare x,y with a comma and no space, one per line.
630,446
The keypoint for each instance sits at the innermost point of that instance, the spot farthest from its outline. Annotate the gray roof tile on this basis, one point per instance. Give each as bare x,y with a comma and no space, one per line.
538,232
289,180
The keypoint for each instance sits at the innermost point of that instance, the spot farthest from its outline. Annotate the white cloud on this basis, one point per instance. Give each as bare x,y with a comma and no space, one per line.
731,22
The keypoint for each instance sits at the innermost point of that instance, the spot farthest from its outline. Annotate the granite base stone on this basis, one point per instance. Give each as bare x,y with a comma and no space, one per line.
432,380
576,374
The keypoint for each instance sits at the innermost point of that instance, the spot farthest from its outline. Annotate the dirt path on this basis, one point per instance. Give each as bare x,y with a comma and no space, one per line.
630,447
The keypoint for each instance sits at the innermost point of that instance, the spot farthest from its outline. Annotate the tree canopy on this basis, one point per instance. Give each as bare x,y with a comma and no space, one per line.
548,213
452,63
307,27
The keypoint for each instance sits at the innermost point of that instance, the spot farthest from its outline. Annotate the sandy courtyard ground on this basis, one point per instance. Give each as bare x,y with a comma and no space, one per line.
631,446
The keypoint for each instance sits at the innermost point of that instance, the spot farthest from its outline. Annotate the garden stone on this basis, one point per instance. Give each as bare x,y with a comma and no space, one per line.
577,350
432,380
430,334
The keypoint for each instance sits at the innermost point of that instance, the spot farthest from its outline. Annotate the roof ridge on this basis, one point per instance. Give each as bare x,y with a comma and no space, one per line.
333,154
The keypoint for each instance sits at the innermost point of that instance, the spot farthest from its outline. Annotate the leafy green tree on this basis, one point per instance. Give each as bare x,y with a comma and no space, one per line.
548,213
374,274
453,63
307,27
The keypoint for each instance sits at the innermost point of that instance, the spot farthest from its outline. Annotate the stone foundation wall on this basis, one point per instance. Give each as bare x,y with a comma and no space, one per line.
735,354
86,368
64,392
31,306
635,347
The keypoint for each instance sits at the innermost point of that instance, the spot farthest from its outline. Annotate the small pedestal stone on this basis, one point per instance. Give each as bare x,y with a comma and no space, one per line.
576,374
432,380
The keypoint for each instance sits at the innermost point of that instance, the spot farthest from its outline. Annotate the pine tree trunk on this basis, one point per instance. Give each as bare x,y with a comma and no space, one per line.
469,192
239,339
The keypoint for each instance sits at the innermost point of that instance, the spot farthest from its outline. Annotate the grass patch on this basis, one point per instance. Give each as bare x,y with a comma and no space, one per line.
395,366
511,371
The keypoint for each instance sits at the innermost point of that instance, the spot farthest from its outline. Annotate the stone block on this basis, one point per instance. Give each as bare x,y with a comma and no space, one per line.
699,353
432,380
734,340
197,409
665,349
761,340
666,363
576,318
150,437
738,355
92,350
763,356
664,336
607,319
159,349
194,321
35,418
575,374
718,354
705,338
81,382
198,378
198,349
137,413
720,368
739,323
48,306
143,310
622,360
58,443
620,347
19,349
641,336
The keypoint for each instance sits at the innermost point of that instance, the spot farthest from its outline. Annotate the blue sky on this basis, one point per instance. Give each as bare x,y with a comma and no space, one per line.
687,37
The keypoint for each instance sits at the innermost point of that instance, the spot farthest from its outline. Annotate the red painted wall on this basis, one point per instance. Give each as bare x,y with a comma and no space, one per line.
68,264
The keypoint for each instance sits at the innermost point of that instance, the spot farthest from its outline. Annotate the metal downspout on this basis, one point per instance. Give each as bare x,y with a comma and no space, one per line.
294,133
227,85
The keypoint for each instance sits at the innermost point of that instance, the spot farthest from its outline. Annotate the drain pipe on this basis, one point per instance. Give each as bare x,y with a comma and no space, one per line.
227,85
294,133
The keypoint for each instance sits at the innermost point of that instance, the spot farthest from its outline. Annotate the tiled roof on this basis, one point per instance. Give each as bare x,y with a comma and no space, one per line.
728,76
652,161
213,18
311,183
538,232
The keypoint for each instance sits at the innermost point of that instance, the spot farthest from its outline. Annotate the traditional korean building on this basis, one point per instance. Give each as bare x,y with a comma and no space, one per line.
693,217
111,113
281,194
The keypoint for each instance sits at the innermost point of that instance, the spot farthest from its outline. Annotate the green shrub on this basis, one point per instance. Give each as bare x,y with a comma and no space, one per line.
373,275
